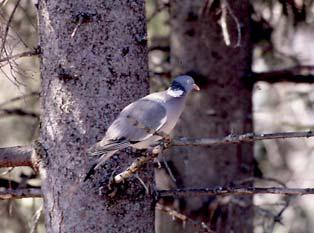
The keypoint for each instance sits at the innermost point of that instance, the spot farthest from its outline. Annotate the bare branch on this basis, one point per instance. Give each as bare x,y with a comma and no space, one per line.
79,23
17,112
35,219
168,169
20,55
234,139
176,215
220,190
6,194
184,141
7,27
8,171
137,164
158,9
296,74
223,23
21,156
23,97
11,184
238,25
17,34
16,156
132,169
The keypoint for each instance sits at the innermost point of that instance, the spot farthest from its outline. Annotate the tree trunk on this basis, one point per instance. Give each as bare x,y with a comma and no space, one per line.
222,107
94,63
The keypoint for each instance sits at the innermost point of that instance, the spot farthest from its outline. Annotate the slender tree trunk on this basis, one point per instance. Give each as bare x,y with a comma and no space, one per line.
222,107
94,62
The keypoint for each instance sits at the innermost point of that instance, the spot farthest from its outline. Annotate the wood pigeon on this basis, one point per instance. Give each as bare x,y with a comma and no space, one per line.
138,123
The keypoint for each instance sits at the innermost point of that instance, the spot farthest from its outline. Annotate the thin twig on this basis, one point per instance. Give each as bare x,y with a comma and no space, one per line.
234,191
35,219
11,184
184,141
223,23
206,6
156,12
3,3
142,183
17,112
6,194
225,10
296,74
79,23
17,34
176,215
7,27
21,156
10,169
132,169
235,139
168,169
136,165
23,97
15,81
238,25
20,55
278,217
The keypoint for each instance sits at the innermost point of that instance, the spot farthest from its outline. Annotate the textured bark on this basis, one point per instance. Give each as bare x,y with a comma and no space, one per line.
94,62
222,107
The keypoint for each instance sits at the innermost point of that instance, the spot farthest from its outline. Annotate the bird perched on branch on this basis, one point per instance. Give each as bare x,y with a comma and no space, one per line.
141,123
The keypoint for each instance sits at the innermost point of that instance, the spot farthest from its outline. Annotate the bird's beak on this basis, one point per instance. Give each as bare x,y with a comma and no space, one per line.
196,88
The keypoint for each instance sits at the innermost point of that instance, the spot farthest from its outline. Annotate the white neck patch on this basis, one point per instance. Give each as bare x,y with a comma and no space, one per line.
175,93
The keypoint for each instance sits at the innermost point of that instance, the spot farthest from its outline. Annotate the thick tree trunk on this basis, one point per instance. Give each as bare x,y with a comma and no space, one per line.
222,107
94,62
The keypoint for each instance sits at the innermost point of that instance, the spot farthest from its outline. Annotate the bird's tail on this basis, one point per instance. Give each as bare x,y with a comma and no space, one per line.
106,151
98,163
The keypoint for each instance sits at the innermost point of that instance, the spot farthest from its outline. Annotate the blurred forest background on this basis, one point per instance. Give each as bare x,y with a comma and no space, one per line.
283,37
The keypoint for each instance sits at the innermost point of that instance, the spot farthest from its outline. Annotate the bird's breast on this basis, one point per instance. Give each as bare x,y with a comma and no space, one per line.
174,109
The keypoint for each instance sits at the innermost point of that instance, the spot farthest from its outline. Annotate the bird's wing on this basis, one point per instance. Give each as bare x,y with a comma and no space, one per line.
138,121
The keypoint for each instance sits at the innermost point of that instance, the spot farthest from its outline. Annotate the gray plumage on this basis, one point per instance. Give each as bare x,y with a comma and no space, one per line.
138,122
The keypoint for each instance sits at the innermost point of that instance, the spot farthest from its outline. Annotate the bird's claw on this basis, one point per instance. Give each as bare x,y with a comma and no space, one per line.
112,184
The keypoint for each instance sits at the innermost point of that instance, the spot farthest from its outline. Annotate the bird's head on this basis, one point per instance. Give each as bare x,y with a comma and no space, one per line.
182,85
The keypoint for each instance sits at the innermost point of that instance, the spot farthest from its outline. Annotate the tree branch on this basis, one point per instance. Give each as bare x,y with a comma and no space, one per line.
296,74
17,112
6,194
11,184
137,164
220,190
36,192
22,97
176,215
20,55
235,139
156,12
7,27
21,155
184,141
16,156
